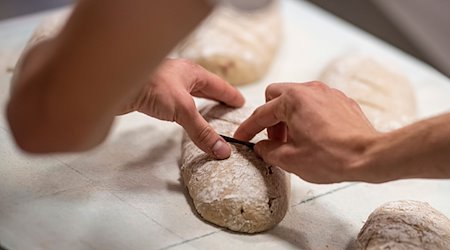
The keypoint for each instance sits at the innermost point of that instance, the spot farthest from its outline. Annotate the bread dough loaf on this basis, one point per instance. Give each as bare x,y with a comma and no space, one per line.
241,193
385,96
405,225
237,46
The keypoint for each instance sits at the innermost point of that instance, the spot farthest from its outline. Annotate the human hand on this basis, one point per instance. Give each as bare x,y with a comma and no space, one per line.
315,132
168,96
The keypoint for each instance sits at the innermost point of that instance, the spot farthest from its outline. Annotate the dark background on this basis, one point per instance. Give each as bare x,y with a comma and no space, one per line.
418,27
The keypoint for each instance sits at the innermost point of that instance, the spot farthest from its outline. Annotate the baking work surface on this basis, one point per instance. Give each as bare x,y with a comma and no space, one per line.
127,193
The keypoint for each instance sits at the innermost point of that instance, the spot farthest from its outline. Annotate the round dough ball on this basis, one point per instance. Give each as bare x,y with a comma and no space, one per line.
405,225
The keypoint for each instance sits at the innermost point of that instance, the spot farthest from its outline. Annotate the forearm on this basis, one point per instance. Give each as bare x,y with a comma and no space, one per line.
421,150
69,90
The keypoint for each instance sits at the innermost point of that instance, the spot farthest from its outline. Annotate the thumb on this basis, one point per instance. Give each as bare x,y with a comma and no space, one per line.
272,152
204,136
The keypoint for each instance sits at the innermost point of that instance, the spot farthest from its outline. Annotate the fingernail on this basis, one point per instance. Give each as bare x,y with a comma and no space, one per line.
221,150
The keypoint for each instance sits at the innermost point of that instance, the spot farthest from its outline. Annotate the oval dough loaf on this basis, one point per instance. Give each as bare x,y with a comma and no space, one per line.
241,193
235,45
385,96
405,225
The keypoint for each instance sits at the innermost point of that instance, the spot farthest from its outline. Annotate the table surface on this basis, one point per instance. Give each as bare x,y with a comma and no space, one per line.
127,193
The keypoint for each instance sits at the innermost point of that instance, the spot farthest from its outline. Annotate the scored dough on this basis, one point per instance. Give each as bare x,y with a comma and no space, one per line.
405,225
237,46
241,193
385,95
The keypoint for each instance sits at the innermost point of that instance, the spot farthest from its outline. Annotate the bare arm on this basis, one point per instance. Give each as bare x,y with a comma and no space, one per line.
421,150
322,136
69,89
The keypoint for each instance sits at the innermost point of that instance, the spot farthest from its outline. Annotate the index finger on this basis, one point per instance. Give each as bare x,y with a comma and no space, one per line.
267,115
274,90
211,86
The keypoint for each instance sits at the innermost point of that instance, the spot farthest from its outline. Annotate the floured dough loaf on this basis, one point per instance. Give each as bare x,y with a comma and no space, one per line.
235,45
241,193
385,95
405,225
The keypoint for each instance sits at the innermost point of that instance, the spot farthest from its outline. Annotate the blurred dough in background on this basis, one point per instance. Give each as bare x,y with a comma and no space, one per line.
405,224
384,94
238,46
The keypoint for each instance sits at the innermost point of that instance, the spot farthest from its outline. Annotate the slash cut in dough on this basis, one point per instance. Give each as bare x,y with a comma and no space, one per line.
241,193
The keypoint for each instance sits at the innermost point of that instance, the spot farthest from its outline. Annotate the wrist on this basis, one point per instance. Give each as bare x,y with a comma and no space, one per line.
368,165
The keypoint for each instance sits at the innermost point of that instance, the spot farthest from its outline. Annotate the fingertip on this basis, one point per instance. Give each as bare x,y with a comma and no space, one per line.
205,137
270,151
240,134
257,149
238,100
260,151
221,150
260,146
241,99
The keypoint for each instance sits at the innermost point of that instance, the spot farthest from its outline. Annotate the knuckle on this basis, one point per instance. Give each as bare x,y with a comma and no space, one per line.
187,65
184,109
337,91
257,111
270,90
318,85
291,100
185,61
353,102
286,107
191,64
292,95
204,135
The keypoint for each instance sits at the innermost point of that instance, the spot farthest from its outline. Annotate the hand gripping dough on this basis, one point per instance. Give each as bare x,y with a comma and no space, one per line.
241,193
384,95
405,225
235,45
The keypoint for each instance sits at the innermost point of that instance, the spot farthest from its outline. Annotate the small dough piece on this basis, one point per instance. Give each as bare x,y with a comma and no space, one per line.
405,225
236,45
385,96
241,193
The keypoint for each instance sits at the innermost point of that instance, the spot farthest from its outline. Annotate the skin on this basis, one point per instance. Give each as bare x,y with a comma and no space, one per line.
322,136
107,61
68,90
